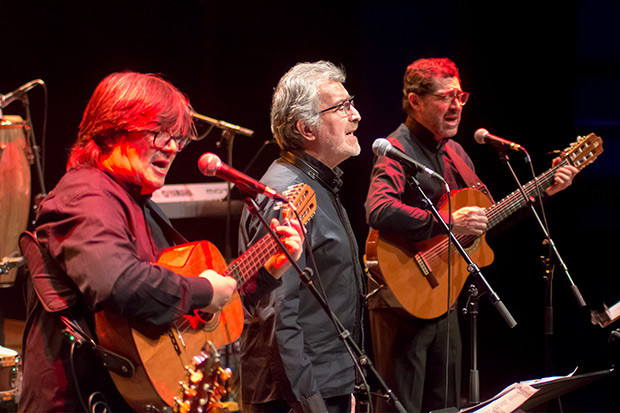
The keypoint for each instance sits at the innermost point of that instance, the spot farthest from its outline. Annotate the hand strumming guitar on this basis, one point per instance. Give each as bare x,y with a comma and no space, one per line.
470,220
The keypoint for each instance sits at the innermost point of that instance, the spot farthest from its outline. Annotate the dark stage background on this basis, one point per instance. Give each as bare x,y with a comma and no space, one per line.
538,75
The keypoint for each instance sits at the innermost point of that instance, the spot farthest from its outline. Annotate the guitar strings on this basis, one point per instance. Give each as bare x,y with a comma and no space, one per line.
514,201
242,269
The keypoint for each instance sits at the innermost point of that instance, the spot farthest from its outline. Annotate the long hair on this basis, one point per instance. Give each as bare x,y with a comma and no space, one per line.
125,102
420,74
297,98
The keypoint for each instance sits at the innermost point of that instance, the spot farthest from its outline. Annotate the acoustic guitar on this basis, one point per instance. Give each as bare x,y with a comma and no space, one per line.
161,354
417,272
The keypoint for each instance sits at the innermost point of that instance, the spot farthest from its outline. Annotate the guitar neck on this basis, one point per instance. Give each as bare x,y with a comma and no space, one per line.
244,267
515,201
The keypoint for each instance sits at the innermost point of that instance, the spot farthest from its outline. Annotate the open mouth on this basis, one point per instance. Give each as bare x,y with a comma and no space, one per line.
160,165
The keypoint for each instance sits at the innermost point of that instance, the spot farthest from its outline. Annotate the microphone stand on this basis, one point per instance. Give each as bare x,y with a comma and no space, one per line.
548,318
479,287
35,155
359,358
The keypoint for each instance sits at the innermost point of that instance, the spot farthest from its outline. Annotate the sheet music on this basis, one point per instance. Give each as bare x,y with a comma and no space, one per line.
513,396
509,399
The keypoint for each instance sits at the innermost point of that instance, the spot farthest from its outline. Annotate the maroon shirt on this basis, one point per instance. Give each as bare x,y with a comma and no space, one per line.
105,236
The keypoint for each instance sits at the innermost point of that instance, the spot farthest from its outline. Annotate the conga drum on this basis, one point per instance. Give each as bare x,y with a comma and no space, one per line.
10,376
14,189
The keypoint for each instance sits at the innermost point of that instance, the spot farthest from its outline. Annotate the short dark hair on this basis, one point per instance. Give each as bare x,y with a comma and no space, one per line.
420,74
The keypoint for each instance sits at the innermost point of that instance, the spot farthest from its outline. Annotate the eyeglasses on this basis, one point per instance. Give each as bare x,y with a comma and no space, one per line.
162,139
344,106
461,97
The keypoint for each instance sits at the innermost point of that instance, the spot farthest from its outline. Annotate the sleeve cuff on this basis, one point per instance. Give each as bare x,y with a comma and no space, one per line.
201,291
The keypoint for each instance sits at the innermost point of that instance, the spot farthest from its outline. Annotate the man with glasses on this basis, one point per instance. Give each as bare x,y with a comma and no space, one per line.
100,228
411,353
292,358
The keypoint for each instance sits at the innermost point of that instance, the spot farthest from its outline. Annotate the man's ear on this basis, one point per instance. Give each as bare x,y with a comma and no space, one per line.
305,130
414,100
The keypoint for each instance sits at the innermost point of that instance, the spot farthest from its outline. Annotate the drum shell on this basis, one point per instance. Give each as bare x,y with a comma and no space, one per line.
9,374
15,189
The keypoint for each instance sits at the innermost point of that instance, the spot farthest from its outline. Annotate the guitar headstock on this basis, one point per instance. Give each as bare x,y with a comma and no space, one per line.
205,383
303,200
584,151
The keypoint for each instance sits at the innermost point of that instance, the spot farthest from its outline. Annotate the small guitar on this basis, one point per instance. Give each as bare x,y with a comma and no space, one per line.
416,273
160,354
205,384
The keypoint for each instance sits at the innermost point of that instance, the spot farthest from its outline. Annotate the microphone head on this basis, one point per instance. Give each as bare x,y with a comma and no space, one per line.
481,135
209,164
381,146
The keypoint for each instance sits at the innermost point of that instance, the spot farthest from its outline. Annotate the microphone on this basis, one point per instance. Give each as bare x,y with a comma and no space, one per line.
7,99
483,136
210,165
382,147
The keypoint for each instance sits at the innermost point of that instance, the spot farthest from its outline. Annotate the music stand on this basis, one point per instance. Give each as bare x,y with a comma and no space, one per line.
553,389
548,389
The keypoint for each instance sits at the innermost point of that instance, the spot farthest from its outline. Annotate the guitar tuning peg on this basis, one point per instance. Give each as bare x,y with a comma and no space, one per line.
225,374
182,406
195,376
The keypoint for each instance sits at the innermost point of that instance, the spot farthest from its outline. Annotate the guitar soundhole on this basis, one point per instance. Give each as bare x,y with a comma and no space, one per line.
201,320
471,243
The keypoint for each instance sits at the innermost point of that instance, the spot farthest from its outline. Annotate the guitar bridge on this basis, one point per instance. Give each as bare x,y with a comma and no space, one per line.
426,270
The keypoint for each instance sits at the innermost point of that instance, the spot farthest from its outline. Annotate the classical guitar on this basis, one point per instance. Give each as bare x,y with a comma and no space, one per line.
160,354
417,273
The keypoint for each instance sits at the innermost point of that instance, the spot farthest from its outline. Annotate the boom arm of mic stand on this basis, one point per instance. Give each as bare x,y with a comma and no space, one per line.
472,268
358,356
574,289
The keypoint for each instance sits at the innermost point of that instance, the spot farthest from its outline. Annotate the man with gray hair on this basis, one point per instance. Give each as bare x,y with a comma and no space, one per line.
292,358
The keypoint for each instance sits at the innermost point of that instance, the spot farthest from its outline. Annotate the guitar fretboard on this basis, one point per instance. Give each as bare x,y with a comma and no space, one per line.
250,262
515,200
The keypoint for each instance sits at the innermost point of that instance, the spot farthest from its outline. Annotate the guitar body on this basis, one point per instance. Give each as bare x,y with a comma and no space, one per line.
396,262
161,354
417,273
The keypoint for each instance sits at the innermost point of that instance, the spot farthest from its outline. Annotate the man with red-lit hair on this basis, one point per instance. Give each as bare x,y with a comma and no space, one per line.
412,353
100,230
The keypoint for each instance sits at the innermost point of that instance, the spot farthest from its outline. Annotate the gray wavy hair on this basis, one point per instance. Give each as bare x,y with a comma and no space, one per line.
296,97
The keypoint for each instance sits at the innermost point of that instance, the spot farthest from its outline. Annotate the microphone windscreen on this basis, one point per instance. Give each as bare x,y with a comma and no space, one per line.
381,146
208,164
480,135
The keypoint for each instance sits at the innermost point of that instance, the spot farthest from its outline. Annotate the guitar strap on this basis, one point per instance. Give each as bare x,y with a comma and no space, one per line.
468,175
170,233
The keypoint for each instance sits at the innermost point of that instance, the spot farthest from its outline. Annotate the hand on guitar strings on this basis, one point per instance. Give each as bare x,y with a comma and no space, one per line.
471,220
223,289
292,236
563,177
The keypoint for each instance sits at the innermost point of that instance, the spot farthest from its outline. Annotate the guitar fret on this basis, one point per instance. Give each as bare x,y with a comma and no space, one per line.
515,200
255,257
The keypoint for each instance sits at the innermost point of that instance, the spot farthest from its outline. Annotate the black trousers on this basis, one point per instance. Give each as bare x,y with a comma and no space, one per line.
415,360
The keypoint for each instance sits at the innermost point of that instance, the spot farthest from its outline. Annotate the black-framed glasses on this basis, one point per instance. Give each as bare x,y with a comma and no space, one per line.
161,139
344,106
461,97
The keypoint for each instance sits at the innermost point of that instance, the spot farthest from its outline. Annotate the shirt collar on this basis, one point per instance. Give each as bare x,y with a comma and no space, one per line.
315,169
133,189
425,136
